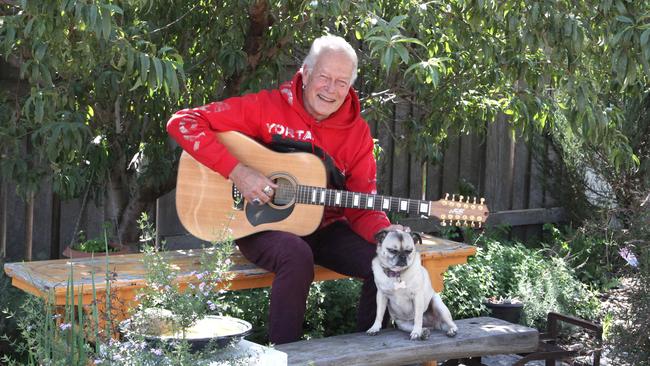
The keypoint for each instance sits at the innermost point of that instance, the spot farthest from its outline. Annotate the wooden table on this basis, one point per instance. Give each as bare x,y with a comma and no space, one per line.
127,273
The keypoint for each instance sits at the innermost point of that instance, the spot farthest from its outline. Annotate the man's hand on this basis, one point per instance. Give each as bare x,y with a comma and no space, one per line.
253,185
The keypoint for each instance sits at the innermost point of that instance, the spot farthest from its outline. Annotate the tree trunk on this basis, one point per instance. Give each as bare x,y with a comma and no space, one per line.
260,21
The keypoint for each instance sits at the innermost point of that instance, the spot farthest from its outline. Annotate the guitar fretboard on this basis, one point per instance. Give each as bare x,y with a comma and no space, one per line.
365,201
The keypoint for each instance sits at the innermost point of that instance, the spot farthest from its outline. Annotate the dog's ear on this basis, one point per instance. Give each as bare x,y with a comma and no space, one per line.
417,239
381,235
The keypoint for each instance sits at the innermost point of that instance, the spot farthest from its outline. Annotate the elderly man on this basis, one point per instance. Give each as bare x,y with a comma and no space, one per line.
319,112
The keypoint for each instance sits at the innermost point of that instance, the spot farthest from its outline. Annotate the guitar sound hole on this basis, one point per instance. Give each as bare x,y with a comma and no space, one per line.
285,194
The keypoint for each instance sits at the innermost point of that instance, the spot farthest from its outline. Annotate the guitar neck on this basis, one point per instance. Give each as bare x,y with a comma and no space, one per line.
364,201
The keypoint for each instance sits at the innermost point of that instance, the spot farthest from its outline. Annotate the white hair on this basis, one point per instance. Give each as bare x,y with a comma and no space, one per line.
330,43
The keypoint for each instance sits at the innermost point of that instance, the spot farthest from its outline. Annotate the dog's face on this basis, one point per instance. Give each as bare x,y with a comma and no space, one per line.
395,249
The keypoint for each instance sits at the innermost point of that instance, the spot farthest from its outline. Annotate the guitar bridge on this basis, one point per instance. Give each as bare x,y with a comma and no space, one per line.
237,199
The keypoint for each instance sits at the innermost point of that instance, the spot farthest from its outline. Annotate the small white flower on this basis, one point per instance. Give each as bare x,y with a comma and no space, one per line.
64,326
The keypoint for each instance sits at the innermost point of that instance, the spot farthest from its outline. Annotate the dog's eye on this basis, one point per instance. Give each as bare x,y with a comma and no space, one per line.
393,251
408,252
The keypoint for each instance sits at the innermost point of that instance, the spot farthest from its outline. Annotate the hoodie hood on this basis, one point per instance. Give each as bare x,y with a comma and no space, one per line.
345,117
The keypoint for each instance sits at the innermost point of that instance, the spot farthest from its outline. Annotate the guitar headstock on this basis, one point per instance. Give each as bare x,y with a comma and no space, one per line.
459,210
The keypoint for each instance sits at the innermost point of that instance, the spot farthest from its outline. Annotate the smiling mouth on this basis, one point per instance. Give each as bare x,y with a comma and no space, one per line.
326,99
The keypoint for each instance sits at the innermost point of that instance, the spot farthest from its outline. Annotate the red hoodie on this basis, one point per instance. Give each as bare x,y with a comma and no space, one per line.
275,115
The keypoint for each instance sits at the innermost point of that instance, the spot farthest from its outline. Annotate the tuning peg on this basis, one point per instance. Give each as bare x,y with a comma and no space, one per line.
460,198
443,223
474,200
446,196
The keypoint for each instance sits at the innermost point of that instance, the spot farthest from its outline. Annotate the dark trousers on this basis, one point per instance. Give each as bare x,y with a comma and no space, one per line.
292,259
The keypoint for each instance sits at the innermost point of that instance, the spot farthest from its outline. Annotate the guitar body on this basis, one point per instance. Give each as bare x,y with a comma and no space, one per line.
209,209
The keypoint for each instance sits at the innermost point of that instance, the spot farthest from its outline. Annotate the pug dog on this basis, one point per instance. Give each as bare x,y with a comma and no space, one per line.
403,286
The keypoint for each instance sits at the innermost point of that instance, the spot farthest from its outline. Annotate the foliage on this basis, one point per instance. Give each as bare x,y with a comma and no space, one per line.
51,337
331,309
10,310
252,305
510,270
591,249
340,305
98,79
74,337
201,296
629,334
91,245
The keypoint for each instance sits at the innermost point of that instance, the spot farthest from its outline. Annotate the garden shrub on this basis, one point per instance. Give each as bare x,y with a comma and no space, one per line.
10,312
591,249
340,304
331,309
510,270
629,335
251,305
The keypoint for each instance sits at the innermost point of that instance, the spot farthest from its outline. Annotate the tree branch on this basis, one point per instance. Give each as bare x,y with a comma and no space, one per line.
260,21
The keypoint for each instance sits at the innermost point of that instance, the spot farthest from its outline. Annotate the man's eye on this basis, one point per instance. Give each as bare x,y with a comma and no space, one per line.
341,84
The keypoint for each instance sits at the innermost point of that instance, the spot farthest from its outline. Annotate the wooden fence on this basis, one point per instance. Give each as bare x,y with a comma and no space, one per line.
502,170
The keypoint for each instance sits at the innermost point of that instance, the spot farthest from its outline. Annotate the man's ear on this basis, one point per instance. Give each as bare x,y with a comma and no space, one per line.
381,235
305,73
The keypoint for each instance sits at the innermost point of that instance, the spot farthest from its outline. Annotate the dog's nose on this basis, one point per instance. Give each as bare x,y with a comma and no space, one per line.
401,260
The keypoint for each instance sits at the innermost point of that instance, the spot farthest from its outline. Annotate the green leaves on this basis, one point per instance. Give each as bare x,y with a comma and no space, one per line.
386,40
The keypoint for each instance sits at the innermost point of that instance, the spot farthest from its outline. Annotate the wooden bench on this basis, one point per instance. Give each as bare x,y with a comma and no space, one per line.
476,337
127,272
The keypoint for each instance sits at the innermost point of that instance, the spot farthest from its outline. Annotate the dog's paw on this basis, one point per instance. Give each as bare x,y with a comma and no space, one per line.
452,332
420,335
425,334
373,330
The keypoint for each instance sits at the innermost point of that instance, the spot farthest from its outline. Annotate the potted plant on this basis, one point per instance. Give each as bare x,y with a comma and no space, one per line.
505,308
84,248
170,314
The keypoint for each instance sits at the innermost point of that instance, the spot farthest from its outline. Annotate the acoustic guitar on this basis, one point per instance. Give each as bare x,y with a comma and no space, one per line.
211,208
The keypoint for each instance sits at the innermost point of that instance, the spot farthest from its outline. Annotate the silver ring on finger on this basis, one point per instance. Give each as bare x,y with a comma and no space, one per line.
256,201
268,190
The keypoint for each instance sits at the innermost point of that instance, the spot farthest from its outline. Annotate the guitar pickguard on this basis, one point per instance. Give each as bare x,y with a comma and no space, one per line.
265,214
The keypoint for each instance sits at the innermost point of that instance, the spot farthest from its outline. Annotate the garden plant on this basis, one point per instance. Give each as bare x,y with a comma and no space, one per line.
86,87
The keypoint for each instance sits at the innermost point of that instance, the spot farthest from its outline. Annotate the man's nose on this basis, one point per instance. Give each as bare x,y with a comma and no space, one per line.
331,87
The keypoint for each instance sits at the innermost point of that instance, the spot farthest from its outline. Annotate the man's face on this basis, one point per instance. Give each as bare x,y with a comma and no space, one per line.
327,85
